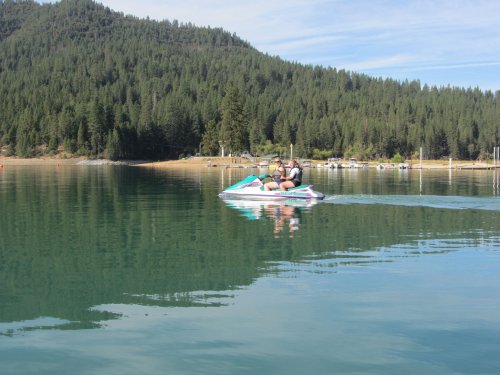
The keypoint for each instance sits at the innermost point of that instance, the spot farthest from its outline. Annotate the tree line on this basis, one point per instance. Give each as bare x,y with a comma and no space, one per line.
80,77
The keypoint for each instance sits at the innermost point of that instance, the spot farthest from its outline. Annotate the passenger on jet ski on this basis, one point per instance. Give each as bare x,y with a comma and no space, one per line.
295,177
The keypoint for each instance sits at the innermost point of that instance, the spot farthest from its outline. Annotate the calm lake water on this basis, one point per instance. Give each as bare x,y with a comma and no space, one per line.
122,270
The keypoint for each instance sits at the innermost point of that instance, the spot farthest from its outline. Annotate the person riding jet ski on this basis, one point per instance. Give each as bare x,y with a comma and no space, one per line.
278,176
295,177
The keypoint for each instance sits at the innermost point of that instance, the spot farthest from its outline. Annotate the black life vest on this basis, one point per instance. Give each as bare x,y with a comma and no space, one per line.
297,179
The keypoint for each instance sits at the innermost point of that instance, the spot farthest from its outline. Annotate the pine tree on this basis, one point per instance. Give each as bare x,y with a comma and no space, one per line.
113,146
233,128
96,127
82,140
210,140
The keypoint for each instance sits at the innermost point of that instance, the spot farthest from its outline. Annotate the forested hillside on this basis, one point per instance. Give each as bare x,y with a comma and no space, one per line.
78,76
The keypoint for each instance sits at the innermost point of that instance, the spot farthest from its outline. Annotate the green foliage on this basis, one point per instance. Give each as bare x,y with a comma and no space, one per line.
359,152
233,128
210,141
72,71
397,158
269,148
113,147
321,154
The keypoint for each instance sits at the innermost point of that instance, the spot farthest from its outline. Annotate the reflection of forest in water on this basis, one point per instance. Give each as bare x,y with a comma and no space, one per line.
72,238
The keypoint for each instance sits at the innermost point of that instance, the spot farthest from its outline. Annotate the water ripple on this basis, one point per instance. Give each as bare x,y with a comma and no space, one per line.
434,201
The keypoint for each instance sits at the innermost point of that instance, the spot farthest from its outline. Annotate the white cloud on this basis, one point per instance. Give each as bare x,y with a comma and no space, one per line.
308,42
386,62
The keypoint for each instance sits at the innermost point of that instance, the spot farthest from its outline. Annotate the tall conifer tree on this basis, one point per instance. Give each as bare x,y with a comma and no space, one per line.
233,129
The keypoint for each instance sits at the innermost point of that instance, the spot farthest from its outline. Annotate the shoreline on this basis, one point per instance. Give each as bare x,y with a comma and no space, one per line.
15,161
226,162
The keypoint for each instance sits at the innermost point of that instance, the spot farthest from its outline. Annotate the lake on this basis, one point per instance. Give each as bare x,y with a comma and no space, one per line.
124,270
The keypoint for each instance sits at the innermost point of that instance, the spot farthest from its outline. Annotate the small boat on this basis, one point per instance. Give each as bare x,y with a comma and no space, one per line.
353,163
306,163
252,187
385,166
334,163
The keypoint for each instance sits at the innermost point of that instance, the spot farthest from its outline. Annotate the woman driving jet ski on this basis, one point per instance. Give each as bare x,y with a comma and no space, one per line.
278,175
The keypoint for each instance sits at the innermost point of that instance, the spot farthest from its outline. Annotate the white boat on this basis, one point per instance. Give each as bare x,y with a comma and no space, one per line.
334,163
353,163
252,187
385,166
306,163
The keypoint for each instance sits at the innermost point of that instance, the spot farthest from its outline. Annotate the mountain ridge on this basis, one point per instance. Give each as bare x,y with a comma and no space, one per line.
78,75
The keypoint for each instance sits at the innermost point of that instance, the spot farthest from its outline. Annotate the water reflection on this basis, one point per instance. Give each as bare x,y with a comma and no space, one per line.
496,183
284,214
75,238
284,217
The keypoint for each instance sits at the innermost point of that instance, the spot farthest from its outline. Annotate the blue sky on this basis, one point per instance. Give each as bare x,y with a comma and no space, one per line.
439,42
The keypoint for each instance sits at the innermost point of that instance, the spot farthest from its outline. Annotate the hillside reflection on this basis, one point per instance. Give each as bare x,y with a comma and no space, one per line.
75,238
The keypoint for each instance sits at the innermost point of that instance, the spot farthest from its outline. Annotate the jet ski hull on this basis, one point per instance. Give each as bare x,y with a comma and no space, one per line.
252,188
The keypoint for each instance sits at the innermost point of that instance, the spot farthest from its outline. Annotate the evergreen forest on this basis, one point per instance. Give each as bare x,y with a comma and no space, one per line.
80,77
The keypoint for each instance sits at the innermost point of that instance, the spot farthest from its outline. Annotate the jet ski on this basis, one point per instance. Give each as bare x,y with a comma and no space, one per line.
252,187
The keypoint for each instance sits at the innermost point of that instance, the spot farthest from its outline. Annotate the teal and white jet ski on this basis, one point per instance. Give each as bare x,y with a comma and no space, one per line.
252,187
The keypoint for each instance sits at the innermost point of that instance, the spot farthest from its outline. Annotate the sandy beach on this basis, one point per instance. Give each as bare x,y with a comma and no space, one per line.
226,162
14,161
242,162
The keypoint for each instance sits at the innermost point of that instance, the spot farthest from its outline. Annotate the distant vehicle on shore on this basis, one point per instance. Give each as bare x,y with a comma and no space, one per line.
246,154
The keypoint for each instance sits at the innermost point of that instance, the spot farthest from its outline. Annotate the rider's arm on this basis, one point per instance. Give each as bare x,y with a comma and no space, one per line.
283,172
293,172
